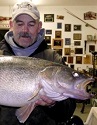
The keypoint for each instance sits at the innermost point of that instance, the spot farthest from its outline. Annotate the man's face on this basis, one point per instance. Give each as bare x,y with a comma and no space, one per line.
25,30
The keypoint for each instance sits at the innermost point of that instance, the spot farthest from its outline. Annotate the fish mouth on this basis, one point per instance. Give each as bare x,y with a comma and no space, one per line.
83,88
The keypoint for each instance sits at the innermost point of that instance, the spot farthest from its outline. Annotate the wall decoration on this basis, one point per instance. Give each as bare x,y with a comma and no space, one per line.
67,41
48,31
57,43
60,17
90,15
67,51
91,48
87,59
77,36
77,43
67,27
89,37
72,66
48,39
78,50
78,59
77,27
70,59
58,34
48,17
65,58
5,18
59,51
59,25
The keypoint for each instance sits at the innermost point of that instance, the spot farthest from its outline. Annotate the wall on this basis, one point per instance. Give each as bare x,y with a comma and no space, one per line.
68,19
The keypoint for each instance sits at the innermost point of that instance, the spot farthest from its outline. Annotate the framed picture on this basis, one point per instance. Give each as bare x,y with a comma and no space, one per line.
77,36
61,17
65,58
67,27
89,37
59,25
48,39
48,31
67,51
48,17
90,15
91,48
72,66
67,41
59,51
70,59
77,27
78,59
87,59
78,50
77,43
57,43
58,34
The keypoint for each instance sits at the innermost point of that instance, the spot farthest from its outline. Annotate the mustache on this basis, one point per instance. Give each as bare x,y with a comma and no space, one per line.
24,34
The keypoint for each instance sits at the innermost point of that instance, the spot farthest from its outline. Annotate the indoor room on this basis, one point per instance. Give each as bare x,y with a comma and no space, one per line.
69,28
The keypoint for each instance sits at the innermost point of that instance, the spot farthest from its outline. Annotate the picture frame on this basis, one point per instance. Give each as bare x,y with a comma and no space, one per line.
59,25
48,39
67,51
91,48
48,31
58,34
77,27
72,66
57,43
78,50
90,15
67,41
87,59
78,59
77,36
67,27
77,43
89,37
48,17
70,59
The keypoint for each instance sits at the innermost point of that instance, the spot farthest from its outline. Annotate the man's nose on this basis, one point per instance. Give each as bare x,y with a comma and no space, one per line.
25,28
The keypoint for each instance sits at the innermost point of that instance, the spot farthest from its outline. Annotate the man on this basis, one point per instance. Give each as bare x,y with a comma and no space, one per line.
26,38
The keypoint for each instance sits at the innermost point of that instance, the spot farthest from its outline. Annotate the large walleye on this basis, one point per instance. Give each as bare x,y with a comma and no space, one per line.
23,80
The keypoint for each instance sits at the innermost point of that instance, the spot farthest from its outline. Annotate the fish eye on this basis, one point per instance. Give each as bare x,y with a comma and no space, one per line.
75,74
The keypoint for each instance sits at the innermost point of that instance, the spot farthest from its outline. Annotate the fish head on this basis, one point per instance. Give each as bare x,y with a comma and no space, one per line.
66,81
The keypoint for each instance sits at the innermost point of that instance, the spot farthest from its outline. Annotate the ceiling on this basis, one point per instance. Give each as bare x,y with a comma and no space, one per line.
54,2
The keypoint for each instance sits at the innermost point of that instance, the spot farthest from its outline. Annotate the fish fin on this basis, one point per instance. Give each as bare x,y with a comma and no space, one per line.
24,112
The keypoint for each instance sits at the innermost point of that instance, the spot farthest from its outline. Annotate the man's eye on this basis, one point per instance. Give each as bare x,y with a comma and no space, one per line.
31,24
19,24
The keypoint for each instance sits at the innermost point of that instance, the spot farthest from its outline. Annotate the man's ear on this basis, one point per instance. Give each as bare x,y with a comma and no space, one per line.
40,26
11,25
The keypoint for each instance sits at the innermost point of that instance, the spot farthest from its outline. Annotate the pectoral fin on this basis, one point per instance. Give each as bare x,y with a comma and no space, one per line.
24,112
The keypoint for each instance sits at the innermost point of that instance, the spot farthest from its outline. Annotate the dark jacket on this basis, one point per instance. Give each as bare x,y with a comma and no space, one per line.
42,115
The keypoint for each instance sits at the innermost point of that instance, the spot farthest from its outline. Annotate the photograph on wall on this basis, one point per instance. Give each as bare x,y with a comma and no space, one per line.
78,50
67,41
61,17
57,43
70,59
91,48
67,51
48,17
48,39
77,43
58,34
67,27
77,27
77,36
78,59
87,59
90,16
59,51
48,31
59,25
65,58
72,66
